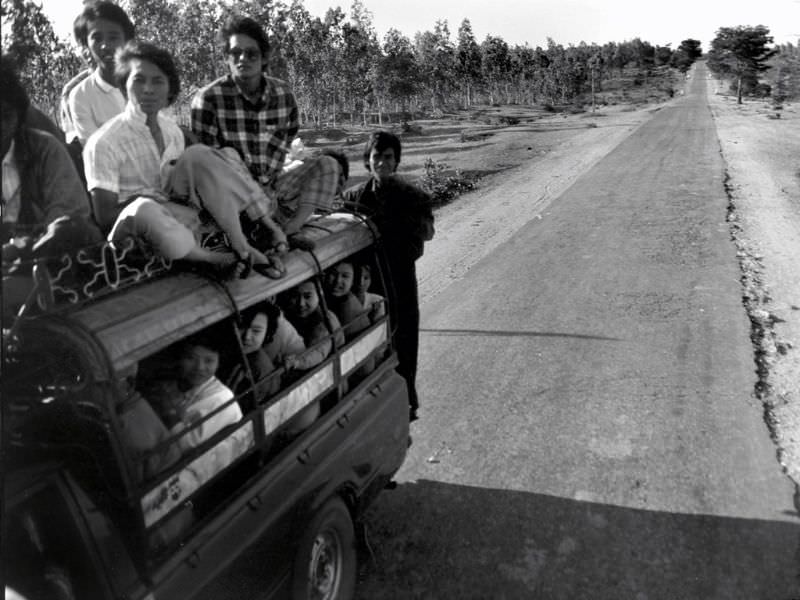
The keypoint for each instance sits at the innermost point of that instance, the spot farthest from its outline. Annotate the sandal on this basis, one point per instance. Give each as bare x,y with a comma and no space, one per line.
274,269
240,268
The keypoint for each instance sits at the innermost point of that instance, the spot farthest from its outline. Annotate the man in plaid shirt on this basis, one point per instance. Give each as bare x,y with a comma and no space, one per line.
257,115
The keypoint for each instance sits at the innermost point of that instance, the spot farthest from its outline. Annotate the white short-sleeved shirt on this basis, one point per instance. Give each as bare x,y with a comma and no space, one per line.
122,156
92,103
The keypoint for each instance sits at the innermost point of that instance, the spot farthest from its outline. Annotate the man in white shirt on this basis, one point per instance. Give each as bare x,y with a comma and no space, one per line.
100,29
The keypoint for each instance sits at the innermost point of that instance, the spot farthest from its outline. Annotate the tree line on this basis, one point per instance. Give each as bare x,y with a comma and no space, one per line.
340,70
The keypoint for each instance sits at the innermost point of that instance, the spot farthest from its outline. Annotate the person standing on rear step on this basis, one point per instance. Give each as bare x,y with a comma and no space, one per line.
257,115
404,218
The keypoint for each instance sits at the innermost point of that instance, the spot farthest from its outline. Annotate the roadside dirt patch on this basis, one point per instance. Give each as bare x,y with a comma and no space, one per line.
763,184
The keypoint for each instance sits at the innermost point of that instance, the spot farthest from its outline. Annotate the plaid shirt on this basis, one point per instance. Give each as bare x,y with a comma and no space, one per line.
260,131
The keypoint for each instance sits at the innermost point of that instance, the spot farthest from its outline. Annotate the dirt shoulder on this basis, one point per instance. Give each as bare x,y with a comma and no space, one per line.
526,167
763,185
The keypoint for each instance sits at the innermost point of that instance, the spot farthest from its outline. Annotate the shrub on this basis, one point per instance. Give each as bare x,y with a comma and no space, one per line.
410,128
443,187
506,120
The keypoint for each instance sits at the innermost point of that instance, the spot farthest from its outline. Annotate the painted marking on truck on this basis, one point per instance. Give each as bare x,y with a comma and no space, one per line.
298,398
175,490
361,350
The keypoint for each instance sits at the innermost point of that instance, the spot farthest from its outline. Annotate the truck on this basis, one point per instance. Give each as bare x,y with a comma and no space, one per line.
86,516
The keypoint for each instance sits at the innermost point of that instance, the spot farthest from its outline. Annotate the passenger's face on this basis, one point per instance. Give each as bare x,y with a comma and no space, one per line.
197,365
340,279
366,279
147,86
304,300
253,336
244,57
9,120
103,39
382,164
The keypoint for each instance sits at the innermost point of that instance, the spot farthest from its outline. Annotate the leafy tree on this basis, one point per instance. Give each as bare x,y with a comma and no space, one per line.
740,53
523,70
784,77
692,49
398,72
435,54
467,61
43,61
360,52
496,63
663,55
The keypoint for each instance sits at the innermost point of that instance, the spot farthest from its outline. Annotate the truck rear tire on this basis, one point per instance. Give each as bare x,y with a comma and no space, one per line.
325,562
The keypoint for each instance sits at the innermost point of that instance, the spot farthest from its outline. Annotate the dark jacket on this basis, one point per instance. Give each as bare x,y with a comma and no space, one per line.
401,212
49,184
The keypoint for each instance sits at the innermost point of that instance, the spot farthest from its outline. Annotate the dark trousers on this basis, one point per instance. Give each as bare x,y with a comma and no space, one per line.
404,277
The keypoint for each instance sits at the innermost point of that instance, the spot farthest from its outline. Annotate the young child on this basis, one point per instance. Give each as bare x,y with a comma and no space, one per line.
100,29
339,297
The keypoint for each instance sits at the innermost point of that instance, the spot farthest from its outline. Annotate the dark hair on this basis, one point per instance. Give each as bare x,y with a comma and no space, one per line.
101,9
14,94
380,141
205,339
151,53
237,24
340,158
272,312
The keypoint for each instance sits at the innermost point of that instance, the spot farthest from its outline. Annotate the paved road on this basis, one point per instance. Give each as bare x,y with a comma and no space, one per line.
588,428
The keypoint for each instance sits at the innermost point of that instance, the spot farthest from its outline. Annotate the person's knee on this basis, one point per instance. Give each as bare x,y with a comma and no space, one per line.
198,154
154,223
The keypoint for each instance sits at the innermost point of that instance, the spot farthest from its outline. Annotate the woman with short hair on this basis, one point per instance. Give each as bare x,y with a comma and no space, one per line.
143,184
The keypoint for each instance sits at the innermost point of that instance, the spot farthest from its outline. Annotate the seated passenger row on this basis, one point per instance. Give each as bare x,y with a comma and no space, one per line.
176,390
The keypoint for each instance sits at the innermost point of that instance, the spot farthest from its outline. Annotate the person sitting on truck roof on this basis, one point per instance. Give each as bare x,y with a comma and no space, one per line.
137,159
258,116
99,29
41,194
340,299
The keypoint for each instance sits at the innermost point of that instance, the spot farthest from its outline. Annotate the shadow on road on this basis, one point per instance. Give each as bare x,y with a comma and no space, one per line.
502,333
435,540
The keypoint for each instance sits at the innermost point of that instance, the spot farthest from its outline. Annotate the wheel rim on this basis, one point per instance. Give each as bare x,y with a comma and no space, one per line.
325,569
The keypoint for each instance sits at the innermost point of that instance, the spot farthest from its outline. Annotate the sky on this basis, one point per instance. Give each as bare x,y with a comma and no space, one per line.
565,21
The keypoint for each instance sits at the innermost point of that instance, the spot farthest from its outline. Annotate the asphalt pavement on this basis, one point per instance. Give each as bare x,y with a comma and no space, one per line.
588,427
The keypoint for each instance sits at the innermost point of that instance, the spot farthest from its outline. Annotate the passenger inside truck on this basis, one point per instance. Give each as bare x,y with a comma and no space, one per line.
340,298
318,327
259,323
142,432
373,303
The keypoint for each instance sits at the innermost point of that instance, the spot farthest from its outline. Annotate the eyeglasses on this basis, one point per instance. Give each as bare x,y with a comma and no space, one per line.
249,53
